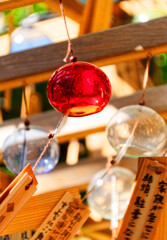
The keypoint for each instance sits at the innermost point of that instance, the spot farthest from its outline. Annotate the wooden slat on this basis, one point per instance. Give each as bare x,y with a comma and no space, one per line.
86,17
102,15
102,48
35,211
79,135
57,179
73,9
96,16
155,99
10,4
8,100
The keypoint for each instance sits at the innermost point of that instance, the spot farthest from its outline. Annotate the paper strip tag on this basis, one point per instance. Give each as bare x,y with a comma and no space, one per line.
146,203
64,220
16,195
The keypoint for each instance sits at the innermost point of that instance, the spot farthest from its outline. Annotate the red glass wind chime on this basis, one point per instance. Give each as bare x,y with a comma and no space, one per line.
76,89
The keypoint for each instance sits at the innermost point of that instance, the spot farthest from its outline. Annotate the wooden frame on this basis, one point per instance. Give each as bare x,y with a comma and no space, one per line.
38,64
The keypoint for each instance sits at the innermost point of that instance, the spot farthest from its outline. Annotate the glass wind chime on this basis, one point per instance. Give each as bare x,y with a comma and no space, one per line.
79,88
25,145
150,134
134,131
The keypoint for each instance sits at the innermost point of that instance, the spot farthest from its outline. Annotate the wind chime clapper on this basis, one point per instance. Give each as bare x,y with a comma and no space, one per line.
26,125
148,201
16,195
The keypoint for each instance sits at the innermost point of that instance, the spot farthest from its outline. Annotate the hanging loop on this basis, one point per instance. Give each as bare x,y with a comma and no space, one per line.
69,49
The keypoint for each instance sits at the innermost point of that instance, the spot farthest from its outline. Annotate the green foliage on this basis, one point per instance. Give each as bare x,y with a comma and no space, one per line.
4,169
23,12
19,14
40,8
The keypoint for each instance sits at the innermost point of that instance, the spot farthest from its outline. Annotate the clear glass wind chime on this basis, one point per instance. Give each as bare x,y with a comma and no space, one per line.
134,131
24,146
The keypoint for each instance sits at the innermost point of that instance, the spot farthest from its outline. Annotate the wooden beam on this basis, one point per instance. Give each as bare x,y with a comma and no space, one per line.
102,15
73,9
57,179
10,4
87,17
96,16
155,99
102,48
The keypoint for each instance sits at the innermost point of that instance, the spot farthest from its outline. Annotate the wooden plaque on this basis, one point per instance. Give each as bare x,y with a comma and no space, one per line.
16,195
64,220
147,201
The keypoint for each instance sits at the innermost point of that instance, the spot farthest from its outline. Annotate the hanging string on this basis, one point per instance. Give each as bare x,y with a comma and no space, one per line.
64,117
26,123
26,104
114,207
145,80
117,159
43,152
69,49
51,136
164,153
23,153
